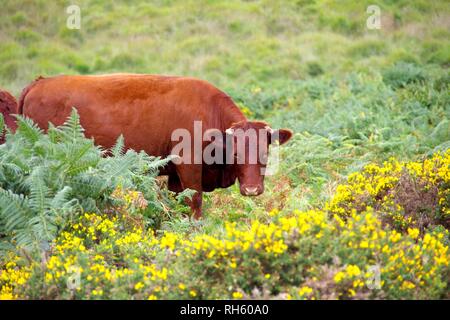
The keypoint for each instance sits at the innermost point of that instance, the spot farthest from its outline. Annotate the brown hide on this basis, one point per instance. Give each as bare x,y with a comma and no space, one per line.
144,108
8,107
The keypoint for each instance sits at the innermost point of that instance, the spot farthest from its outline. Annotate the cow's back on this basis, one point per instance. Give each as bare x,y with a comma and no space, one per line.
144,108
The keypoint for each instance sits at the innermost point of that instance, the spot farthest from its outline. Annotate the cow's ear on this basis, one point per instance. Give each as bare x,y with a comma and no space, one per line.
282,135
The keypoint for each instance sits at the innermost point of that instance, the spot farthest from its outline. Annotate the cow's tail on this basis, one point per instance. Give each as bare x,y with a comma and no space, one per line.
8,108
25,92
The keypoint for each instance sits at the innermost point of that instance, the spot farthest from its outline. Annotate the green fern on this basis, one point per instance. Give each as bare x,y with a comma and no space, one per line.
28,130
71,130
15,210
2,123
46,179
118,149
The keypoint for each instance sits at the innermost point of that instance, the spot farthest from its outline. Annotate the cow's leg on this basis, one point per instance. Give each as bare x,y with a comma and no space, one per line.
174,183
191,177
196,204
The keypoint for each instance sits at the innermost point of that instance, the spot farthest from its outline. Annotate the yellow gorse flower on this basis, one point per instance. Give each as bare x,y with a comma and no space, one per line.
237,295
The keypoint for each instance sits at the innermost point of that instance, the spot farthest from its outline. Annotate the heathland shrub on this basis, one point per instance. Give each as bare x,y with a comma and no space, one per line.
406,194
311,254
306,255
47,179
402,74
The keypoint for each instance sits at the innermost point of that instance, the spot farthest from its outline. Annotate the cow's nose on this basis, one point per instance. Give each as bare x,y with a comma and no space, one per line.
251,190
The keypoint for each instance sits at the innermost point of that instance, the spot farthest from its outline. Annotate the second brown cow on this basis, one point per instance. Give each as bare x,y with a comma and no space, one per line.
8,107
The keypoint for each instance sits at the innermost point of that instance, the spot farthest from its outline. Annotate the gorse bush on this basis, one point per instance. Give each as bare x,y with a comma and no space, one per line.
310,254
47,179
407,195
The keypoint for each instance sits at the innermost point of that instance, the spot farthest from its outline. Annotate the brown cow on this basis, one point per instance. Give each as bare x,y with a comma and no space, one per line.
146,110
8,107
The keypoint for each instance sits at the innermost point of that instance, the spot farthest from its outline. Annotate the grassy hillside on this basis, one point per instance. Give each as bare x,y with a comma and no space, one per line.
353,97
234,44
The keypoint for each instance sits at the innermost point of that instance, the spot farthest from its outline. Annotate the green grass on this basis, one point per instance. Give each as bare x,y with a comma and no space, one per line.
234,44
351,95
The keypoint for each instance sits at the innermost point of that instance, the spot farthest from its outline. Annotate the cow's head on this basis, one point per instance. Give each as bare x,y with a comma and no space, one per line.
248,146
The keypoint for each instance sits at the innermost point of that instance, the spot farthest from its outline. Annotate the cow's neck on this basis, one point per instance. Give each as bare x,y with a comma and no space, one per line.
230,113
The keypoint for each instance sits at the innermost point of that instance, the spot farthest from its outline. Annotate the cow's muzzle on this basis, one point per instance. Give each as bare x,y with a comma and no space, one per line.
251,190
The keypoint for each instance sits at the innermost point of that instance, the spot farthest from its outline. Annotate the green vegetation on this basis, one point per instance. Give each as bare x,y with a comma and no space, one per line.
46,179
348,250
354,98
